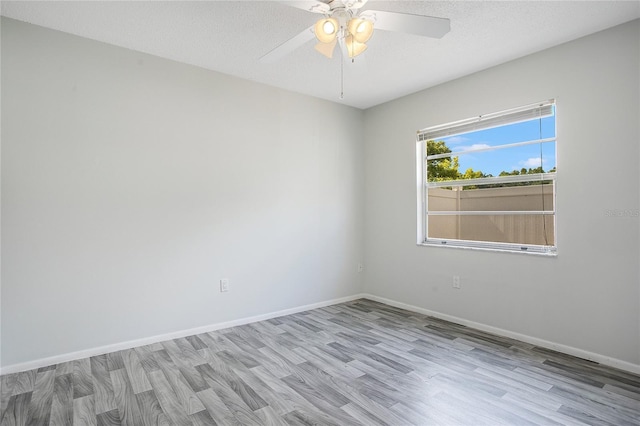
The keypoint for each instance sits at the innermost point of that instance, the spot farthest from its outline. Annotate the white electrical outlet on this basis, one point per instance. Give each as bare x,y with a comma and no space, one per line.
360,267
456,282
224,285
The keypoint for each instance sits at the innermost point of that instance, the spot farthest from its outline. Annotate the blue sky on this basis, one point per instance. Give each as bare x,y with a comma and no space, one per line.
507,159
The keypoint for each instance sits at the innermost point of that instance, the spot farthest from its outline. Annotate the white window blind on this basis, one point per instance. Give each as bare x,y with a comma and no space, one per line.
516,115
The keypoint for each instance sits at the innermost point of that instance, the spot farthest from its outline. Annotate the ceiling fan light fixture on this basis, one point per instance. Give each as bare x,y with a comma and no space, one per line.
354,47
327,48
360,29
326,30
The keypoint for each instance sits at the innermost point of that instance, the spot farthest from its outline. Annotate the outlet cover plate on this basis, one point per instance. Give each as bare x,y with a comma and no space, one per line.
456,282
224,285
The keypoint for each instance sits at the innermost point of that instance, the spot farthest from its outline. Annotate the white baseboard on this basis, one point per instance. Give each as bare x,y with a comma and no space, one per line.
43,362
569,350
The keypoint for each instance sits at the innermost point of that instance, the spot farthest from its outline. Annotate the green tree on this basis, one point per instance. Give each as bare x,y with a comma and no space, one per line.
472,174
441,168
447,168
524,171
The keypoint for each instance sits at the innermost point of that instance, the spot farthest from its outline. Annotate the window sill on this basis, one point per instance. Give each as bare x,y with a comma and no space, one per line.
506,249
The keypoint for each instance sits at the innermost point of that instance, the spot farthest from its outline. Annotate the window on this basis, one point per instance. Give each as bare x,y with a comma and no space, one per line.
489,182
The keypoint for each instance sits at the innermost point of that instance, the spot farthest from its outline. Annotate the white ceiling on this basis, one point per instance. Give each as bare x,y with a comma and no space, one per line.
230,37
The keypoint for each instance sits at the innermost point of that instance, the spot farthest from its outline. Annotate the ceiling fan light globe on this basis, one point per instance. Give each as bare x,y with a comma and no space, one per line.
360,29
354,47
326,30
327,48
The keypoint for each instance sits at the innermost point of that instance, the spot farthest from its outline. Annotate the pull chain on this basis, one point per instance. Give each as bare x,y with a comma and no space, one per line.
341,76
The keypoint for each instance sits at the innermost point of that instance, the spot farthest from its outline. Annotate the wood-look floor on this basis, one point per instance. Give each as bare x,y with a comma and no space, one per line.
360,362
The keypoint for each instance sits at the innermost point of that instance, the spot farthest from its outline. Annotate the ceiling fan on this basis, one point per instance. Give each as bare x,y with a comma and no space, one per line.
345,24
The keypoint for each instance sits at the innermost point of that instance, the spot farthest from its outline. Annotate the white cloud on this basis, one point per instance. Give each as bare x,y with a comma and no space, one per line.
532,163
473,147
456,139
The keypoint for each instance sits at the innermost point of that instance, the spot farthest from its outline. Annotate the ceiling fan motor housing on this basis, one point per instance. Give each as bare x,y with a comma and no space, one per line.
342,22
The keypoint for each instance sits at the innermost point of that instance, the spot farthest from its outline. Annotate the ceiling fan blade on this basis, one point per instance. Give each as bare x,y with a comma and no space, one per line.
427,26
354,4
289,46
310,6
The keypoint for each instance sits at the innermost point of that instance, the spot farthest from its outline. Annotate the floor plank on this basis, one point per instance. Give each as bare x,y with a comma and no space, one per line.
355,363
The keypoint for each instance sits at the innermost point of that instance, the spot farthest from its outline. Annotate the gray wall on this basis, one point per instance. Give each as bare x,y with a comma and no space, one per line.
131,184
586,298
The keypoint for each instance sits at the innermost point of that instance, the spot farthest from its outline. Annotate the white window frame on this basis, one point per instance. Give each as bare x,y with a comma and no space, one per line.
511,116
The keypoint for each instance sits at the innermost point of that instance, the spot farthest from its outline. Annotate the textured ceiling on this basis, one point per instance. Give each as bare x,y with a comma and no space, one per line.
230,37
